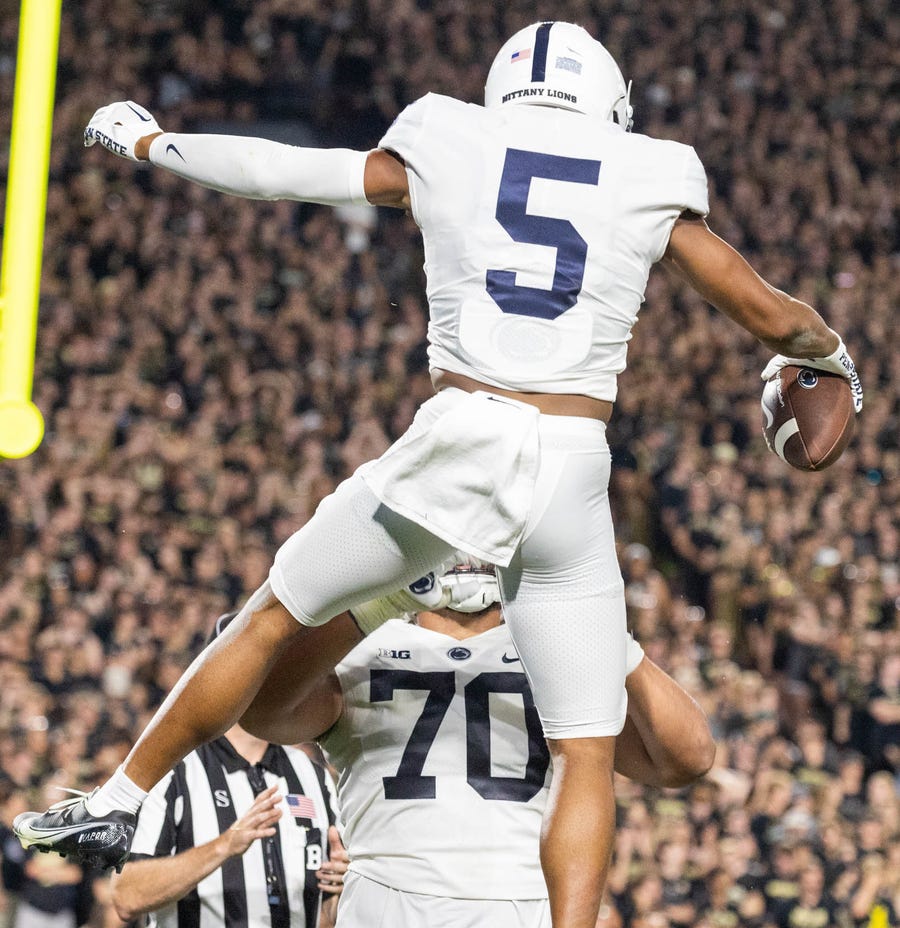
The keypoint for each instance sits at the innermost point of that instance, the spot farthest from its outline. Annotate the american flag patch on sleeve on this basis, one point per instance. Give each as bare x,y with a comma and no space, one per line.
301,806
522,55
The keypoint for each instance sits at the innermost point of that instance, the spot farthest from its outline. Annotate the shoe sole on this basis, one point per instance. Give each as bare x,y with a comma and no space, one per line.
91,861
88,859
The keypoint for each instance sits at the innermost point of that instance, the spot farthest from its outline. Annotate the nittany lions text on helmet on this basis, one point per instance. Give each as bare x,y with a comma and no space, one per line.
559,64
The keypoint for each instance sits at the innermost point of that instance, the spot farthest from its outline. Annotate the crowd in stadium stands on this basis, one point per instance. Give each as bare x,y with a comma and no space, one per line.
210,368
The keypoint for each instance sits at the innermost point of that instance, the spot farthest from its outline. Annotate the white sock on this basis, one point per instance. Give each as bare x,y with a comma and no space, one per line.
118,792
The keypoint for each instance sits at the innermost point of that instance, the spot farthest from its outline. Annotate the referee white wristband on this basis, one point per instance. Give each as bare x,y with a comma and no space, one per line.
262,169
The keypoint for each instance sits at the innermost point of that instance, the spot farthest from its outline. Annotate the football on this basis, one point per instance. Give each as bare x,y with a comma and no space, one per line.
808,416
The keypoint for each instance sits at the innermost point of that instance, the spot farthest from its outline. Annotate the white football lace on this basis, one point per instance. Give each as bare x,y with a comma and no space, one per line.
77,796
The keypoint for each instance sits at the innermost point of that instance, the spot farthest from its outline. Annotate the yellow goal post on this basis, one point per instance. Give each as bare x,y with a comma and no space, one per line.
21,423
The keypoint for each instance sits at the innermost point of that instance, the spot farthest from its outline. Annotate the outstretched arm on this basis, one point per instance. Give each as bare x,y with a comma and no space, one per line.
787,326
722,277
252,167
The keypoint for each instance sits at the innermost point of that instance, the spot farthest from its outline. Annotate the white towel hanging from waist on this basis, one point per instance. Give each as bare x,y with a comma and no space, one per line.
465,471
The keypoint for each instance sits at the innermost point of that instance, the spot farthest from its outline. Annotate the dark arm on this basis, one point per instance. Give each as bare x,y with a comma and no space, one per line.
666,740
301,698
722,277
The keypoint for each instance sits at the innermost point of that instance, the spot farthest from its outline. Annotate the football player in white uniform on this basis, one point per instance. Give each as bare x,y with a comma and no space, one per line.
444,771
541,216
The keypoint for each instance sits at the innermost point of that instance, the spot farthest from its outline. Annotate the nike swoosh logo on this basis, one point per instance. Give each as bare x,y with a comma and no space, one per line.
171,147
510,660
136,113
27,833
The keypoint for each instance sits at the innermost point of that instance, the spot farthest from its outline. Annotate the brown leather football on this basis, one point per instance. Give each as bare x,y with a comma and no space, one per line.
808,416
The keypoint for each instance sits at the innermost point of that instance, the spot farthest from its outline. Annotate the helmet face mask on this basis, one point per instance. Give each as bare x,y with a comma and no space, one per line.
473,586
559,65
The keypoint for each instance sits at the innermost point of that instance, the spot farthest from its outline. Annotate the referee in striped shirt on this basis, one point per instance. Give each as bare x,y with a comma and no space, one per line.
240,834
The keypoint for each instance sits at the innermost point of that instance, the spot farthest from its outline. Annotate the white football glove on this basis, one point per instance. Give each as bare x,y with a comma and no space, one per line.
838,362
118,127
427,594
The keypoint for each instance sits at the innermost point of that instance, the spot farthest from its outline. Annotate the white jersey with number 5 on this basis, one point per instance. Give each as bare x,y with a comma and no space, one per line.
443,767
540,227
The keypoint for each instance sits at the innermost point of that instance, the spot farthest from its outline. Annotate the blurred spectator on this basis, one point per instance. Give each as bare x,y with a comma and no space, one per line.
813,905
43,890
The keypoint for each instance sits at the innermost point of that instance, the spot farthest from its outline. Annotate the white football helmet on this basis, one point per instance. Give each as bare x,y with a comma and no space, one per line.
559,64
472,585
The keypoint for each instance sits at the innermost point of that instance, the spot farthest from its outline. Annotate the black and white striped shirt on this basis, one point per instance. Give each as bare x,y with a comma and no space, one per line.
274,882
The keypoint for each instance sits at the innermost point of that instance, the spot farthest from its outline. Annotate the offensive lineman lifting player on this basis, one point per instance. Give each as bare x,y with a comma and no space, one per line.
442,768
541,216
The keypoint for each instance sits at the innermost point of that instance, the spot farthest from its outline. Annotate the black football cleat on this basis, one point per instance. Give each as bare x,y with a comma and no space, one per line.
68,829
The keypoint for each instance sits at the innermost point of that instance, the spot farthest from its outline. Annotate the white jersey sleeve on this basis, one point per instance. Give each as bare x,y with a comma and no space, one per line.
696,192
262,169
407,138
402,137
443,769
540,228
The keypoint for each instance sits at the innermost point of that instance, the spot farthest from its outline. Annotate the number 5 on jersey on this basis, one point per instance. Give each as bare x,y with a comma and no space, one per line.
519,169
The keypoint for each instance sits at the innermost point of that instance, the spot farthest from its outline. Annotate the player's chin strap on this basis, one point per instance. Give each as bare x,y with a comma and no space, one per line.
624,114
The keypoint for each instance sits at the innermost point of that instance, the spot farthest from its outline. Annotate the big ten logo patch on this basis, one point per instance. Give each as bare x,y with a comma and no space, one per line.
394,654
